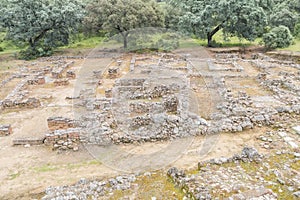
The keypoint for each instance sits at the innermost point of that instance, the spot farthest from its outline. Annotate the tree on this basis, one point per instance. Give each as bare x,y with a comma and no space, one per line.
297,31
41,24
283,14
278,37
243,18
172,17
122,16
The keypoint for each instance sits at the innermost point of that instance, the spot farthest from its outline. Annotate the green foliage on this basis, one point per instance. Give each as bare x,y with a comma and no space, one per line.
122,16
32,53
278,37
40,24
172,17
297,31
242,18
283,15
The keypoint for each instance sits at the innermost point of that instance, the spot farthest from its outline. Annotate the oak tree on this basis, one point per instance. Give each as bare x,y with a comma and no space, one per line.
40,24
122,16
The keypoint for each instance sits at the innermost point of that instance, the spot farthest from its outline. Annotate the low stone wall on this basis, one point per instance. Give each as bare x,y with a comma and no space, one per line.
113,72
61,82
102,104
20,103
131,82
64,139
59,123
171,103
57,72
108,93
37,80
30,141
5,130
71,74
140,107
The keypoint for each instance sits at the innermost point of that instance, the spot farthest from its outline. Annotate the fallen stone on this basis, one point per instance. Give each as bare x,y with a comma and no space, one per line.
5,130
297,129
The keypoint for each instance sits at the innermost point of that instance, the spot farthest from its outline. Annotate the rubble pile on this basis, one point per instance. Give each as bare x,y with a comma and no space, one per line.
90,189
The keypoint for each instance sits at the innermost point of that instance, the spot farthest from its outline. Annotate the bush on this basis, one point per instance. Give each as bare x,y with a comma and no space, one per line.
297,31
33,53
278,37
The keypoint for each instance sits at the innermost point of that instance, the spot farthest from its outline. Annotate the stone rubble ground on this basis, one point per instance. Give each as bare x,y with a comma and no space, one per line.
245,176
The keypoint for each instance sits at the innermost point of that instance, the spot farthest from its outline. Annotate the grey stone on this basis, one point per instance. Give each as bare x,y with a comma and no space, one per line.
297,129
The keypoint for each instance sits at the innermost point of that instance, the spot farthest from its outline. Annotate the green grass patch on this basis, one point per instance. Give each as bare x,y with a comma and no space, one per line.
81,42
46,168
295,47
14,175
7,46
50,167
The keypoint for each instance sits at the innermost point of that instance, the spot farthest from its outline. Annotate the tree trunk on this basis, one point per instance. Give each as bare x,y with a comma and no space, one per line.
209,39
211,34
125,41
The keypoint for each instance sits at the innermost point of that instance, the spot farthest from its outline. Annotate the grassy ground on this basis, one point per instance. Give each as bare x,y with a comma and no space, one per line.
219,42
294,47
81,42
7,46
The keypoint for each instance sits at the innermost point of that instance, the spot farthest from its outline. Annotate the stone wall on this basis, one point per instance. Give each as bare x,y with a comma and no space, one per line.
113,72
28,141
71,74
39,80
139,107
63,139
61,82
171,103
57,72
18,98
59,123
20,103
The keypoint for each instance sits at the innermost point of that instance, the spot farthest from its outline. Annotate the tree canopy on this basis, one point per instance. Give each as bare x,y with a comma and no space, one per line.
204,18
285,14
278,37
122,16
41,24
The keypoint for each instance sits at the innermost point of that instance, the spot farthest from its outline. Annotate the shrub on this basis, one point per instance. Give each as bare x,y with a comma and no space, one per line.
278,37
297,31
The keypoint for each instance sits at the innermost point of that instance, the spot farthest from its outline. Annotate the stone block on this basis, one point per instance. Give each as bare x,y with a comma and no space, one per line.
5,130
297,129
71,74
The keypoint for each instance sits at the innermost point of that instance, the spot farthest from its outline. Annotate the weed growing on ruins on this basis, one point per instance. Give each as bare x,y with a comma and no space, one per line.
14,175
